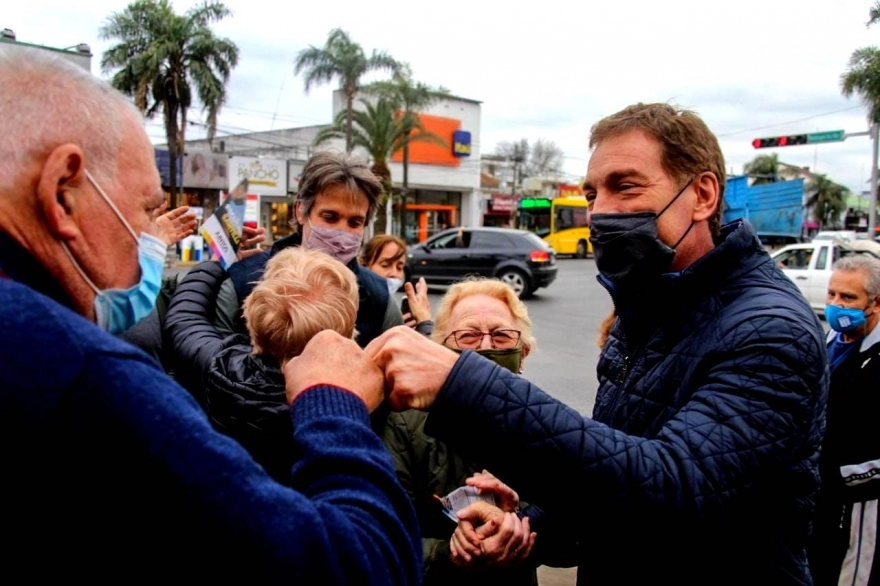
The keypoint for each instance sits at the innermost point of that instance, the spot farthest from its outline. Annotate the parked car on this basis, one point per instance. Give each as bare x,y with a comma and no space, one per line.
809,265
517,257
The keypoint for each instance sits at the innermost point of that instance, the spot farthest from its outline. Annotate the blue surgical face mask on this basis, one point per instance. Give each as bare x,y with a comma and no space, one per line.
117,310
844,319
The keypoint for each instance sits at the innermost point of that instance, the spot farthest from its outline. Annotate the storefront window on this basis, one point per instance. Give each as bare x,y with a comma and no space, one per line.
279,220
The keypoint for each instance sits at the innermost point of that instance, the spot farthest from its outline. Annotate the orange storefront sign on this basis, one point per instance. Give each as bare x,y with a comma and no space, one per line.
429,153
570,190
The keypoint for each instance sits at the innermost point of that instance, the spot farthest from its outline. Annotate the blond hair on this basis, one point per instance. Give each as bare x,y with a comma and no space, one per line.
302,292
491,288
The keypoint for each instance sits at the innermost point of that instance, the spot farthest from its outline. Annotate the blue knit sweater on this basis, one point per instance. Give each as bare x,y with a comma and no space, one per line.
111,470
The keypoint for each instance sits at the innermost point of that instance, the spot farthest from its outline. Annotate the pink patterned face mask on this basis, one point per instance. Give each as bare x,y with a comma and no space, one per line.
341,245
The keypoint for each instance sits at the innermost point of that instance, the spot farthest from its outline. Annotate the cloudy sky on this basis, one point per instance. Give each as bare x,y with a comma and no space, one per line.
548,69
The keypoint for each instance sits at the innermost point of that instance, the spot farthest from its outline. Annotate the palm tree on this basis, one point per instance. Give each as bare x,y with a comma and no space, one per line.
410,97
164,60
341,57
827,200
381,130
863,78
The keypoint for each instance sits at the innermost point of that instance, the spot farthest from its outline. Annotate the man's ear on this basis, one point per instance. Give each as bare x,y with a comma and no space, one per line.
707,190
58,190
297,210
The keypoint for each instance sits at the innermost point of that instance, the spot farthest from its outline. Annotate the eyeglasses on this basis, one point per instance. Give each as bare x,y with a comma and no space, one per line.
470,339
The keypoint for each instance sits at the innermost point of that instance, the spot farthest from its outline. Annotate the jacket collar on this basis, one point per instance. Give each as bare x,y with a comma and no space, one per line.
17,264
737,252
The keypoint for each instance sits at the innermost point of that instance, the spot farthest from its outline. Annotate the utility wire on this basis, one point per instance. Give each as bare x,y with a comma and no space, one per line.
789,122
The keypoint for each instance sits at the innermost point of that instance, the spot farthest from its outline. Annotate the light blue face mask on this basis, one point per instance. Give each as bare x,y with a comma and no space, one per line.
117,310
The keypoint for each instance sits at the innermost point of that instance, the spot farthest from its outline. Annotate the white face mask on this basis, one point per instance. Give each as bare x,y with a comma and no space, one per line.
393,285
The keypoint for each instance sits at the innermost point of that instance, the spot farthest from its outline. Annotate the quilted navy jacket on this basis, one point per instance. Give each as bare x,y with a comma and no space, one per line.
699,465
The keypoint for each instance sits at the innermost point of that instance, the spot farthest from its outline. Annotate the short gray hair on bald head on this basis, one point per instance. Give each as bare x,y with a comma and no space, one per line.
46,102
862,262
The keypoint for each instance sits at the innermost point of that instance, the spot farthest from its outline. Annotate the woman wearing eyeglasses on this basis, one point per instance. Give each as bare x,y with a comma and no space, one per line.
489,544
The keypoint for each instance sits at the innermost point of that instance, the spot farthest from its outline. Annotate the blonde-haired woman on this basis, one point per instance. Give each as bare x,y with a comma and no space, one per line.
487,317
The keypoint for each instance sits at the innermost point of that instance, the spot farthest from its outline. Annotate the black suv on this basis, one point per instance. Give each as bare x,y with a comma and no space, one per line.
517,257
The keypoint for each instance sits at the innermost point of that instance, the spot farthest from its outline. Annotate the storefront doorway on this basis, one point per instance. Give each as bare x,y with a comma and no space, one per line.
423,220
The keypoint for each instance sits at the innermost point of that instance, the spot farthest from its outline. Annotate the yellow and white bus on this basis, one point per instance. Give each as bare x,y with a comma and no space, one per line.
561,222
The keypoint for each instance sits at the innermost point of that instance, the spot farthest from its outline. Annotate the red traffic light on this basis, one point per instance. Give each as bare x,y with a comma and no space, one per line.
783,140
756,143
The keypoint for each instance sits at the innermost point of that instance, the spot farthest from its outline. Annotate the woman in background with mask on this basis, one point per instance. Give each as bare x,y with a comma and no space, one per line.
385,255
845,526
485,316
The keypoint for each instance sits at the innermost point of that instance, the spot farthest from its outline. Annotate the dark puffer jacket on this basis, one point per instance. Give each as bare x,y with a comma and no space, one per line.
242,394
700,463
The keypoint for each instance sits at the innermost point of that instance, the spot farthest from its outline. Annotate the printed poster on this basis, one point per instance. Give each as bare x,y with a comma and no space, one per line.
222,231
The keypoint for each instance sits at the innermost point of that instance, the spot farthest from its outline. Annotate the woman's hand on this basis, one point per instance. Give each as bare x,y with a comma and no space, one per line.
419,304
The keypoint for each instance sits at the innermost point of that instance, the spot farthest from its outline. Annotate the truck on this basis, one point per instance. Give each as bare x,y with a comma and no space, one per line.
809,264
775,210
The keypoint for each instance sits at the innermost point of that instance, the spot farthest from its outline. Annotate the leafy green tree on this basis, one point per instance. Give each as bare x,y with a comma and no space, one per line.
344,59
826,199
763,169
381,130
166,60
410,97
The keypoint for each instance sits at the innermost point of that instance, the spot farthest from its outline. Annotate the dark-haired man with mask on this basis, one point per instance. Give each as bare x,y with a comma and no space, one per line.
111,469
699,464
337,199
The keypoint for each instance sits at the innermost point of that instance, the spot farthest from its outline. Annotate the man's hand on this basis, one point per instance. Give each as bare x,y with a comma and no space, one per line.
175,225
331,359
505,541
415,367
487,482
419,304
251,238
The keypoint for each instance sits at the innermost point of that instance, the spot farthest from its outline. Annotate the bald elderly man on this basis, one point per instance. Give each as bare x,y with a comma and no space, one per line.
111,470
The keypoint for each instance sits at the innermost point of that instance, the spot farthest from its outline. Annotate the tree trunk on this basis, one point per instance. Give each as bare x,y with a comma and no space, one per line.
173,152
349,96
382,171
405,189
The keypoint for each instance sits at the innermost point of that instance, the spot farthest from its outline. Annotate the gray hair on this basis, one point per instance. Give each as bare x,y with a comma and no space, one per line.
326,169
47,102
862,262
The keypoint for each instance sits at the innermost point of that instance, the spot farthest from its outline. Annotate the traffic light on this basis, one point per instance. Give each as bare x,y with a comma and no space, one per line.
779,141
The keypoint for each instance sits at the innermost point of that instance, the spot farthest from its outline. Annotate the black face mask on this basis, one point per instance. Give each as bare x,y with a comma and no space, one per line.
626,245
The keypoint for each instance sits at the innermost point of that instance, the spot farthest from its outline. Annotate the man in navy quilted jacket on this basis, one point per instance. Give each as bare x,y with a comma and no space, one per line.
111,471
699,464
